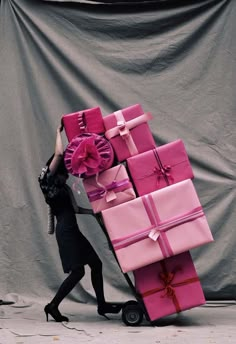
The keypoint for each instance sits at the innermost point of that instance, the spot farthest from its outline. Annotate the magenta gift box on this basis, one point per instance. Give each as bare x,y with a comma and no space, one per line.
85,121
169,286
109,188
160,167
161,224
129,132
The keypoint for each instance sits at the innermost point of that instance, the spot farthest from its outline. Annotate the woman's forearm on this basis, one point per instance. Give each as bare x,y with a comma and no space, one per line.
59,145
58,153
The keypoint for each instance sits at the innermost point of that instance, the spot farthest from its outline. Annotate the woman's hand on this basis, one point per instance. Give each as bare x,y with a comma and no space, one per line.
60,128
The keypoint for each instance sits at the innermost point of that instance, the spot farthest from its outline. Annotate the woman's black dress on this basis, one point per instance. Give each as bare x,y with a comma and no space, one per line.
74,249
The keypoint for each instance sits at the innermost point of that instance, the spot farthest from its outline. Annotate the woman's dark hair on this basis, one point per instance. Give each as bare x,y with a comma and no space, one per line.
61,169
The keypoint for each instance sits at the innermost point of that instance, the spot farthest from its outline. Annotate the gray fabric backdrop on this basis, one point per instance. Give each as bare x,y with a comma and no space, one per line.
176,59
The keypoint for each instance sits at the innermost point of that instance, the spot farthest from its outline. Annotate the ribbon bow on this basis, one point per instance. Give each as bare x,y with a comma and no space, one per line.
123,129
82,121
163,171
108,192
167,279
109,195
85,157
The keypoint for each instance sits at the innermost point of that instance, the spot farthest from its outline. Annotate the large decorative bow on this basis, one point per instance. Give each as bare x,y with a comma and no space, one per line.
85,157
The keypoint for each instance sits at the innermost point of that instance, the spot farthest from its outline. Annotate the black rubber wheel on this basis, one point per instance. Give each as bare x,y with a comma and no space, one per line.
132,314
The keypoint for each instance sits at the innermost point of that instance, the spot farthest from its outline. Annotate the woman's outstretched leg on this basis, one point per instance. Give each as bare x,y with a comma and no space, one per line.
66,287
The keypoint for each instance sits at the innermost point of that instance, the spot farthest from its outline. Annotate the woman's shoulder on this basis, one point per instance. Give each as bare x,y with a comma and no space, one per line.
45,176
47,182
43,173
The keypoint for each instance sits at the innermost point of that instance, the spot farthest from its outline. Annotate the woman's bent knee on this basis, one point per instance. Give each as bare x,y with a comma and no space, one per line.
79,272
96,264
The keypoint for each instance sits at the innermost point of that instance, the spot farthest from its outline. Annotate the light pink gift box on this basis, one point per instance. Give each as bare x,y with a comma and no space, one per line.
165,165
169,286
84,121
109,188
161,224
129,132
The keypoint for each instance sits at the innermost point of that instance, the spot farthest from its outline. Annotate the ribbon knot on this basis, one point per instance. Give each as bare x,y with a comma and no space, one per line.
169,291
110,195
154,234
163,171
123,129
108,192
167,279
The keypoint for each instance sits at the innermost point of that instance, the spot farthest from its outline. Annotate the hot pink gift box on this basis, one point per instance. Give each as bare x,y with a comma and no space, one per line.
85,121
169,286
160,167
161,224
110,188
128,131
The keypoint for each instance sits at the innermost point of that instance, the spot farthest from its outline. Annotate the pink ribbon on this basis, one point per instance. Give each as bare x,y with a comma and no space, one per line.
163,170
108,191
82,122
123,129
157,229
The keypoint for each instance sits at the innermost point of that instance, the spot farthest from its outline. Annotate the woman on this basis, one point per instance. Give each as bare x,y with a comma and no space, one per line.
74,249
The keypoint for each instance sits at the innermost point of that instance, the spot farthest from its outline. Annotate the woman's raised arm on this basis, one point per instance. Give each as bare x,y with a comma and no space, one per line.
58,154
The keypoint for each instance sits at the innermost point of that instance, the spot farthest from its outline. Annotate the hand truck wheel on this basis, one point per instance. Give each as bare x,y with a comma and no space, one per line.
132,314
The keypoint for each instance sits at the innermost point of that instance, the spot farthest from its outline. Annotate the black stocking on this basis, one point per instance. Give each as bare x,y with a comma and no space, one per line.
68,284
97,280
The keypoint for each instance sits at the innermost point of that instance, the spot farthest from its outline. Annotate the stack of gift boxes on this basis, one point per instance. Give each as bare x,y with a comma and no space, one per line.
149,205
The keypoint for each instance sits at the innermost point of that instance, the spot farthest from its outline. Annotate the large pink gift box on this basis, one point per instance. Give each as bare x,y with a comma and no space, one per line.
109,188
128,131
160,167
85,121
169,286
158,225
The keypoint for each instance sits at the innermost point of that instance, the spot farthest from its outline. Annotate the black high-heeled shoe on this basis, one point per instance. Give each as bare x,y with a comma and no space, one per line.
54,312
112,308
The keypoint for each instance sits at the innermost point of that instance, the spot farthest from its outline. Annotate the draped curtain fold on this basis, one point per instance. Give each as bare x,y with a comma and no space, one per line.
129,2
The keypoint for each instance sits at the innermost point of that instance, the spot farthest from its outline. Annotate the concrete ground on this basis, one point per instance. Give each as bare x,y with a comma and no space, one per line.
25,323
